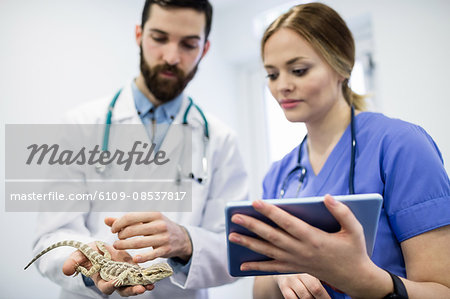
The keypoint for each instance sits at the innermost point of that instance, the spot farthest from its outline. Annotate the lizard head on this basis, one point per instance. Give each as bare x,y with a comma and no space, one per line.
155,273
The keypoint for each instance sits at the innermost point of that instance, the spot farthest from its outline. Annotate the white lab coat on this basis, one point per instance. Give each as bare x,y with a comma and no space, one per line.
205,224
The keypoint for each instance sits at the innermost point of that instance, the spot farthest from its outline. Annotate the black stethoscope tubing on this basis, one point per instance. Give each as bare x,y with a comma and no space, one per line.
302,169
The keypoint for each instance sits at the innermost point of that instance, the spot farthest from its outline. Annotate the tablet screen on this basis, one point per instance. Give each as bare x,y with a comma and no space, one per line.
366,208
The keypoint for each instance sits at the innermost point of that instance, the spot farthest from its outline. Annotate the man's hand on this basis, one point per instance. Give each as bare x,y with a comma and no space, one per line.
107,287
151,229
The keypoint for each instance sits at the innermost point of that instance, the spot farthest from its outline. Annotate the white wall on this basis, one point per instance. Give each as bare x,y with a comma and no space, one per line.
53,52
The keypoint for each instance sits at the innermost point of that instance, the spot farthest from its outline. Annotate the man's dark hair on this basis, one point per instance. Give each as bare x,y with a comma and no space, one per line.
198,5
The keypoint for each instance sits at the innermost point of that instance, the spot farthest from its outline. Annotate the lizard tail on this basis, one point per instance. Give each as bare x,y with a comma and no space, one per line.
86,249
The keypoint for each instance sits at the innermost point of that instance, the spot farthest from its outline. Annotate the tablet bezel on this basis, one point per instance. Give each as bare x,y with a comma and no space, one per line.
366,208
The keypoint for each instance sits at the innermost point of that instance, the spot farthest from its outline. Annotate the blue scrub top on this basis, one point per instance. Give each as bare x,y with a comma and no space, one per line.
394,158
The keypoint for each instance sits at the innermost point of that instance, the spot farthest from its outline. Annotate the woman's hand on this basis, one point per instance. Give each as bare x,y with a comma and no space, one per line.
339,258
302,286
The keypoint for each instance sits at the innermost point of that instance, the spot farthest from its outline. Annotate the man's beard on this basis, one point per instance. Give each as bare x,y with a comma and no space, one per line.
165,90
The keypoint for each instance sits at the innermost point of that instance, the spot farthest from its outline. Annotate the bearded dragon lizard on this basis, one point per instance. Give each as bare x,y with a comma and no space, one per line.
124,274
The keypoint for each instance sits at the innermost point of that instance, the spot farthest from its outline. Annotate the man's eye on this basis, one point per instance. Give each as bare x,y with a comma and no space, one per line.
189,46
299,72
159,39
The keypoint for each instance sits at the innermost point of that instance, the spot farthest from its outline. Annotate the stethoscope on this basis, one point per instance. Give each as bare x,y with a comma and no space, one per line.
101,169
299,167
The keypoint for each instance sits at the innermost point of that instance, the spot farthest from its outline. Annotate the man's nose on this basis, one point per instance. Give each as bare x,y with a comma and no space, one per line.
171,54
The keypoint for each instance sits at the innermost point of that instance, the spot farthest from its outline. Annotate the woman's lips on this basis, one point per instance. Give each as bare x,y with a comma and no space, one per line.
289,103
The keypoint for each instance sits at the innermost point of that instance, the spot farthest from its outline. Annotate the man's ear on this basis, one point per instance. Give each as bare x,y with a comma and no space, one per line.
206,48
138,35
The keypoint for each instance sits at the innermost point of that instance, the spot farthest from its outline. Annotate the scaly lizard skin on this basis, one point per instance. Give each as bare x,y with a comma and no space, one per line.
125,274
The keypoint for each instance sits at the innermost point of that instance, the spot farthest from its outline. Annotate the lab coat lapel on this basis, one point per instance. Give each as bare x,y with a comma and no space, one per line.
173,138
125,108
185,142
125,114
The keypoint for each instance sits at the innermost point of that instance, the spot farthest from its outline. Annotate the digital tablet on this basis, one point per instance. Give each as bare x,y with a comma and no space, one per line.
366,208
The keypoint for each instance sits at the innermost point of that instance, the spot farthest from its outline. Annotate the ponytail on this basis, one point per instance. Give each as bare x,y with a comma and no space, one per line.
352,98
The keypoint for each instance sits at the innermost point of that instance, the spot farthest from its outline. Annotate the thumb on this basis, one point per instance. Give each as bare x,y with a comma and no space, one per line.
71,264
109,221
69,267
343,215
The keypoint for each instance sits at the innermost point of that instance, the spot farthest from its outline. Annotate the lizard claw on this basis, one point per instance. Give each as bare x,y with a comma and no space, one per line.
77,270
118,283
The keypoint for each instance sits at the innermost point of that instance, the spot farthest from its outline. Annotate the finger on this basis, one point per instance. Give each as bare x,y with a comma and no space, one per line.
276,236
75,259
260,246
143,229
288,293
301,292
163,251
69,267
314,286
270,266
293,287
132,290
120,255
132,218
96,278
343,215
141,242
106,287
291,224
109,221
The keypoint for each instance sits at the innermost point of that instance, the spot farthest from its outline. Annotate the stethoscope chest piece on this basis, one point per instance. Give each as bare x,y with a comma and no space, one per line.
102,169
99,168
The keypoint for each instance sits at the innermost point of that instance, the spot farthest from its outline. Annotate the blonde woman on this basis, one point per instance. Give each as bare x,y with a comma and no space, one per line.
308,54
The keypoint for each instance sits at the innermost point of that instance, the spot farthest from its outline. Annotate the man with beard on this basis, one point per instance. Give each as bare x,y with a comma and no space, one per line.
173,38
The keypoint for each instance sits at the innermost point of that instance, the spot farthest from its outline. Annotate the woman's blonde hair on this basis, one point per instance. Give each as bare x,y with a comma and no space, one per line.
328,34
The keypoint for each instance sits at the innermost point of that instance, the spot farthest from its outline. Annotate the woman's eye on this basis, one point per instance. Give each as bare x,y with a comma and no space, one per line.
272,76
299,72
